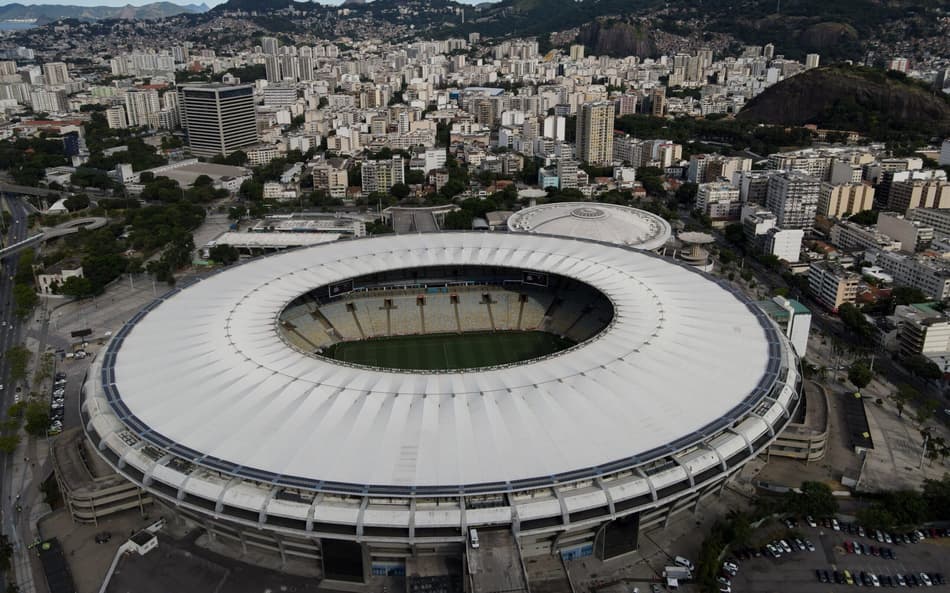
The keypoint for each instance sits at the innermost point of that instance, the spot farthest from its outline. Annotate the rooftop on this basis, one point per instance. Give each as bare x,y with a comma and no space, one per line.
620,225
204,367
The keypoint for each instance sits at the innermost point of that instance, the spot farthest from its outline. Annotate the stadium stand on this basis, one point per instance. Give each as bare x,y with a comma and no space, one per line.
439,315
405,318
401,310
341,320
532,311
473,314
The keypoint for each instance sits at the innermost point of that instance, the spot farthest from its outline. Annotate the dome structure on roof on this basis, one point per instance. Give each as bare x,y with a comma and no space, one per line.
612,223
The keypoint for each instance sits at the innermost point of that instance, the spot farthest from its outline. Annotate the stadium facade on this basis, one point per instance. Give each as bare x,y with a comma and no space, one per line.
201,399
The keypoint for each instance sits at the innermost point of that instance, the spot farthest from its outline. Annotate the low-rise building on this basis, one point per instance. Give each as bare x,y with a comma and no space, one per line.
913,235
930,275
831,285
765,237
921,329
936,218
852,236
718,200
274,190
55,275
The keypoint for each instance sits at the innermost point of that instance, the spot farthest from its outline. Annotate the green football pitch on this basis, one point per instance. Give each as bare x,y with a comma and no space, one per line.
448,351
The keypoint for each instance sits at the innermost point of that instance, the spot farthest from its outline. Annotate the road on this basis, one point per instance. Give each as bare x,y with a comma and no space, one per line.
11,333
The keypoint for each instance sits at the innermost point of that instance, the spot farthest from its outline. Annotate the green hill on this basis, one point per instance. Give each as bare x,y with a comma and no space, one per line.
883,105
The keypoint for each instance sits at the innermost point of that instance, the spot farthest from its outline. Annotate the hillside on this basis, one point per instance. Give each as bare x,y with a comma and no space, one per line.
617,38
50,12
882,105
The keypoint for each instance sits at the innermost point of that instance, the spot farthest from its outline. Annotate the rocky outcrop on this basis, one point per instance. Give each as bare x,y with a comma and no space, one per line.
617,38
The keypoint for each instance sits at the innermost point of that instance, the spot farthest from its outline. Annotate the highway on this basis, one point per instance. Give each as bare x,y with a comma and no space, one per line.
11,334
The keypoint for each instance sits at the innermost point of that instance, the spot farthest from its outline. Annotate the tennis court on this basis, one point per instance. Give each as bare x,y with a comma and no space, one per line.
448,351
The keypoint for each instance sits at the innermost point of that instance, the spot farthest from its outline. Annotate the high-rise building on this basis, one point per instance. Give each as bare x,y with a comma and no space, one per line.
595,133
919,193
658,101
220,119
272,68
270,45
577,52
280,95
793,198
842,200
626,104
567,174
140,105
55,73
115,117
554,127
380,176
811,61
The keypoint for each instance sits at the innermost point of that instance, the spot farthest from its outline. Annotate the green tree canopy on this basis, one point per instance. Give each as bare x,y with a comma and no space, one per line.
860,374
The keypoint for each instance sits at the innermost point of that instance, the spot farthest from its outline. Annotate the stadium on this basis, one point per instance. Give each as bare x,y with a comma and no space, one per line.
611,223
364,404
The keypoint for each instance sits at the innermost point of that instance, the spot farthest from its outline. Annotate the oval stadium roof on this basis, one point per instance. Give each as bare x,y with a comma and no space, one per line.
591,220
206,370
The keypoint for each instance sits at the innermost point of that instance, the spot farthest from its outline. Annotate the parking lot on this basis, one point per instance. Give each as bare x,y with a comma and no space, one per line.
796,570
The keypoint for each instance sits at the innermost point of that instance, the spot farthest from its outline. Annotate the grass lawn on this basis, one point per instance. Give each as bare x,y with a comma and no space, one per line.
448,351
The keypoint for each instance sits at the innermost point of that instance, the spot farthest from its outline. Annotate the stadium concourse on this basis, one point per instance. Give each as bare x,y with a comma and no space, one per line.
224,401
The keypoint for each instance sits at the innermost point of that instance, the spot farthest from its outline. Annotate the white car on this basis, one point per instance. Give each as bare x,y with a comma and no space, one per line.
925,579
835,525
810,521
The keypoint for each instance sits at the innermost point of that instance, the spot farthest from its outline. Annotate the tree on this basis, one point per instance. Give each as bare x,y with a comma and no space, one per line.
25,299
855,320
923,367
37,418
252,190
76,287
876,517
686,193
17,358
415,177
400,191
814,499
8,443
236,212
865,218
734,233
925,411
458,220
77,202
907,295
224,254
203,181
860,374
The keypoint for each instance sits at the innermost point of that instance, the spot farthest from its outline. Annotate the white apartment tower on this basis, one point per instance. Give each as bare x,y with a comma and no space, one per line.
793,198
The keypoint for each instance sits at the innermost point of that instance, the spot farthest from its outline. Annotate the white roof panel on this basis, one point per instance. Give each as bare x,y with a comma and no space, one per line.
208,370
